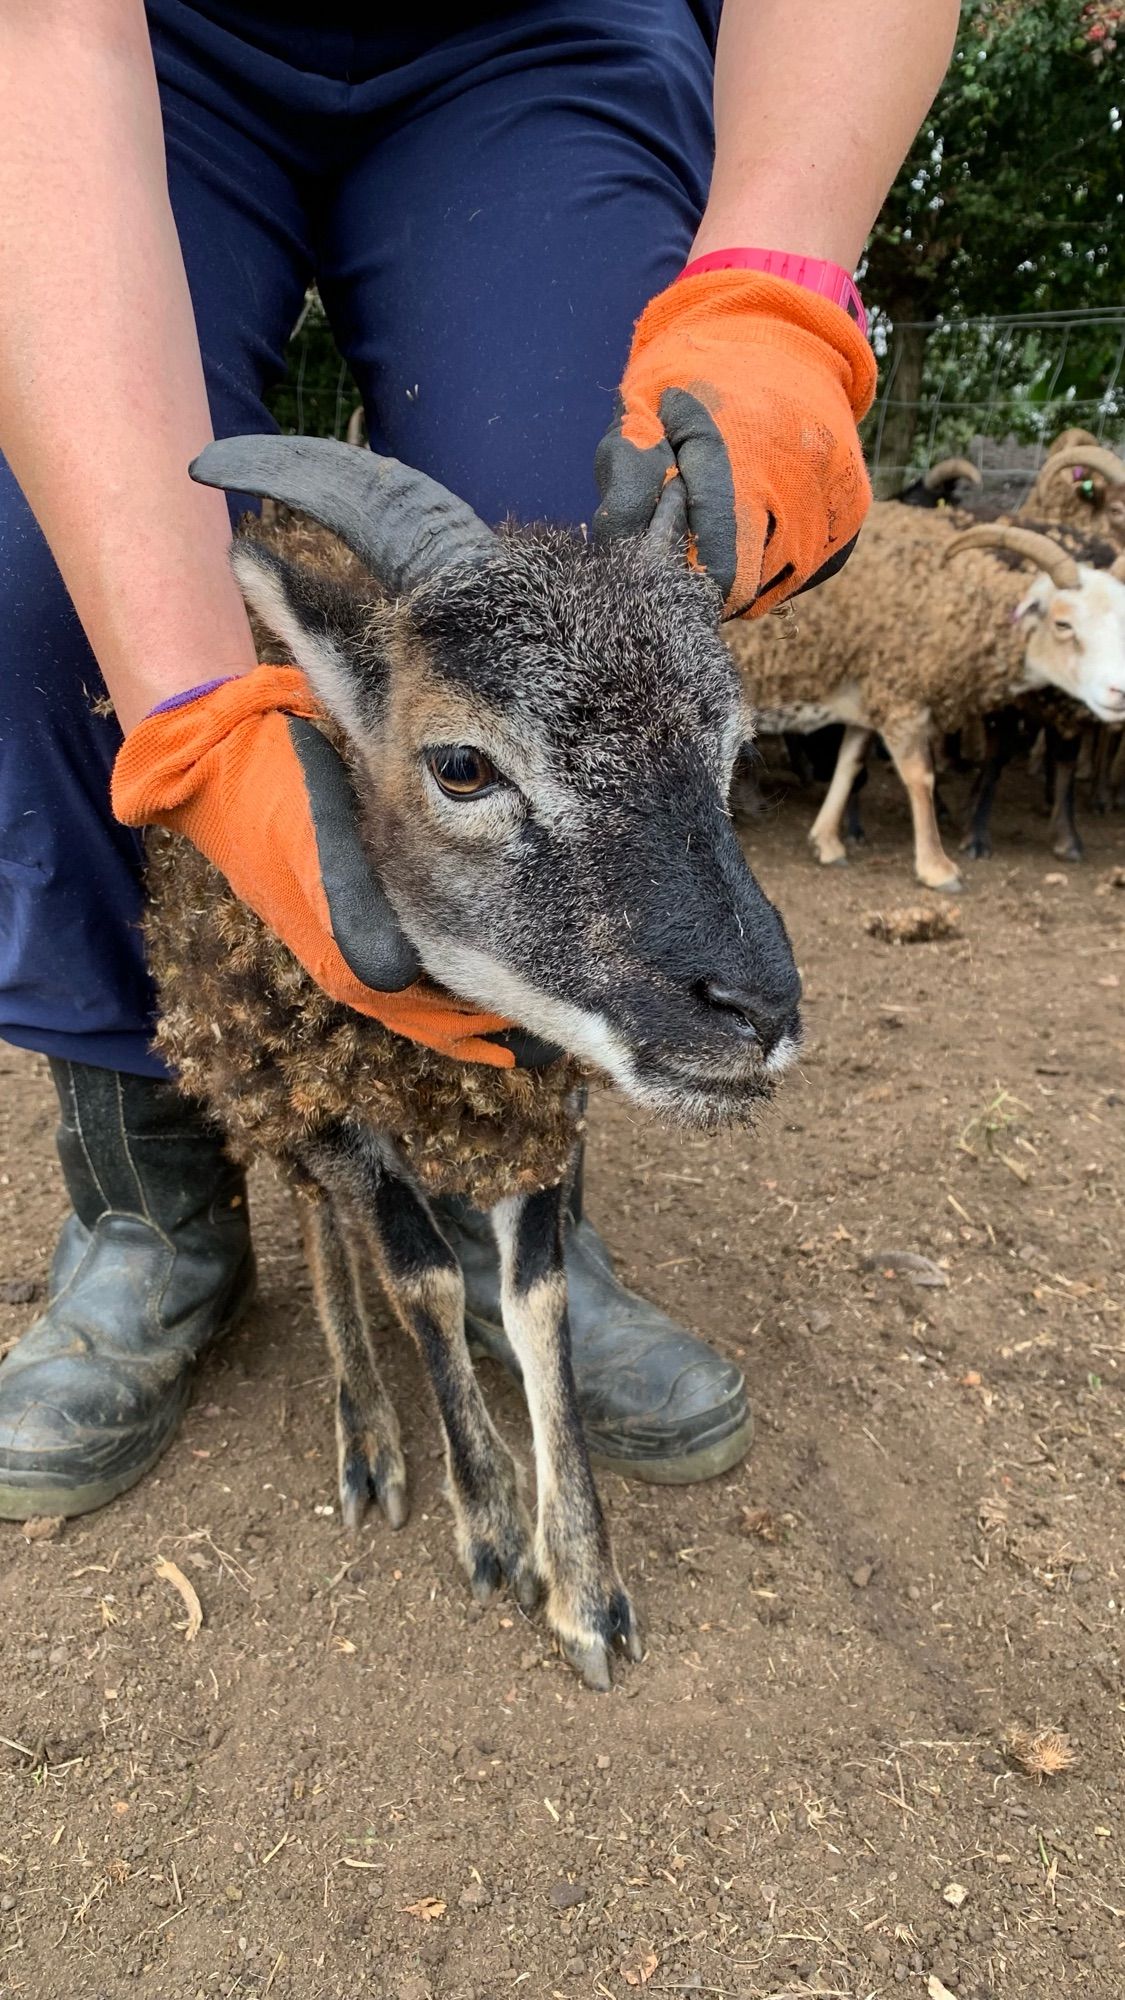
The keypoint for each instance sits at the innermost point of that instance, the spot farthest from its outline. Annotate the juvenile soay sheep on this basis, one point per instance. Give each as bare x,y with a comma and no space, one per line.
898,644
540,737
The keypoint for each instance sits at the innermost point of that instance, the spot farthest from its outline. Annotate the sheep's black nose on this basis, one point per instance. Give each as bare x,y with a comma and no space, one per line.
759,1017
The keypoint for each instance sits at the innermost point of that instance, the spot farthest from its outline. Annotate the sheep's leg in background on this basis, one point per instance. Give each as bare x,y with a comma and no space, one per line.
1101,757
909,745
587,1607
369,1452
1000,741
1117,772
1062,758
824,833
423,1283
853,825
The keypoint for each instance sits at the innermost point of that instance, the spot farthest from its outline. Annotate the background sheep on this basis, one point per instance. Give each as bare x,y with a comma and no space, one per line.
540,737
899,645
942,485
1084,486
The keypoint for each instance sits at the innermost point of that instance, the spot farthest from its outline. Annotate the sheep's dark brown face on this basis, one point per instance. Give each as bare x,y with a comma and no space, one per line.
545,745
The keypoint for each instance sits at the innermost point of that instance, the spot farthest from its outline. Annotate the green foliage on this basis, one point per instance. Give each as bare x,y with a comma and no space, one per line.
1013,196
1024,380
318,394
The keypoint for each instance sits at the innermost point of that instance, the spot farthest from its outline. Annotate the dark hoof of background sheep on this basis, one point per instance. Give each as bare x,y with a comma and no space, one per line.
1069,850
976,847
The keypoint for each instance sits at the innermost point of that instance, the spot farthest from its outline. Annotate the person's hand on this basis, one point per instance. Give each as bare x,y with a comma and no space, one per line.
751,388
241,768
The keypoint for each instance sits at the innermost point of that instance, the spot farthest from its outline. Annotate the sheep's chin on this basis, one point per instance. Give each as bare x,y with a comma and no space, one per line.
696,1106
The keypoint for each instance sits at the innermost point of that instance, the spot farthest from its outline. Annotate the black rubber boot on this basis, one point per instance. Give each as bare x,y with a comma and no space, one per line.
656,1402
152,1266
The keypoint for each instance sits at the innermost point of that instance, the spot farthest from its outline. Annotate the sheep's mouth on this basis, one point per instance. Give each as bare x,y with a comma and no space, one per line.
1108,712
708,1097
704,1105
709,1088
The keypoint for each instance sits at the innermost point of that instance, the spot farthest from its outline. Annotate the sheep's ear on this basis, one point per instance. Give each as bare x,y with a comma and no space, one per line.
1033,604
325,629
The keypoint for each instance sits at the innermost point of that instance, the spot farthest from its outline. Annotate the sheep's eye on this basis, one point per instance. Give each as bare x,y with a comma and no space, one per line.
1063,625
461,771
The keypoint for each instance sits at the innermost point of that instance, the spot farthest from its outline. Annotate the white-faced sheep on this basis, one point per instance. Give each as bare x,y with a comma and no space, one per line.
540,737
899,645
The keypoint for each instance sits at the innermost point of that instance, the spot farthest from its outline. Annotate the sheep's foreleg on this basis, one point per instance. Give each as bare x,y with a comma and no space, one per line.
1117,773
1067,843
910,749
369,1453
1001,738
587,1606
423,1283
824,833
1101,757
425,1286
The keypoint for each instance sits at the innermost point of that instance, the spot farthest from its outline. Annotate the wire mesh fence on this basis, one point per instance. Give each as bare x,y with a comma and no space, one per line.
994,390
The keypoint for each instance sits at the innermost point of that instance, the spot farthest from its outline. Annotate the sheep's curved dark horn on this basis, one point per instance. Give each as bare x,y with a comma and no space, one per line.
1039,549
403,525
951,468
1095,458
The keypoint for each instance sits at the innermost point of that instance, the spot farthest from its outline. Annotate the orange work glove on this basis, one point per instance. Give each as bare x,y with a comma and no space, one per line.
751,388
241,768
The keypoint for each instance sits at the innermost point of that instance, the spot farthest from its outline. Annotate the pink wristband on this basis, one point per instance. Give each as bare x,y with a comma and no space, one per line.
830,281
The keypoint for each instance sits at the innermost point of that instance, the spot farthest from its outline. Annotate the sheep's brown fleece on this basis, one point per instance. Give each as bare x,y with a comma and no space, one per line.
249,1031
277,1061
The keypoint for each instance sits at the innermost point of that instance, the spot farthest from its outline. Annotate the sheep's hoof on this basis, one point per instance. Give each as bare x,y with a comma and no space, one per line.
1069,850
613,1628
364,1478
977,846
950,885
489,1570
831,860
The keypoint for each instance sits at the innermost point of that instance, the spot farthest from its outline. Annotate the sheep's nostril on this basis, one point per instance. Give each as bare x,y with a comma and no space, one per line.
745,1006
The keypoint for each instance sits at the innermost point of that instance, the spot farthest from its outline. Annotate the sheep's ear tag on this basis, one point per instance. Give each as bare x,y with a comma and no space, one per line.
367,932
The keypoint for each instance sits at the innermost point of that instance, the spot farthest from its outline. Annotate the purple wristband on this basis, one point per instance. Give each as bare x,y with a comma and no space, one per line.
190,694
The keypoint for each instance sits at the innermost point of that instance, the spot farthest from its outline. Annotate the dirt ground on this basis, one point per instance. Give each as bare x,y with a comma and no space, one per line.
349,1784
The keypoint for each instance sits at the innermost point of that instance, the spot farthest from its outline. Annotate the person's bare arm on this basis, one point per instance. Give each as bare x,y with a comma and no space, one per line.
102,402
816,107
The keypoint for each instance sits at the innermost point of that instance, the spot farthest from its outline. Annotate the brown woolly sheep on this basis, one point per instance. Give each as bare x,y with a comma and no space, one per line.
896,644
583,881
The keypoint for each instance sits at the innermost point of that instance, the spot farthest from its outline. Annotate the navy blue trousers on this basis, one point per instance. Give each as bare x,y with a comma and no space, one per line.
485,214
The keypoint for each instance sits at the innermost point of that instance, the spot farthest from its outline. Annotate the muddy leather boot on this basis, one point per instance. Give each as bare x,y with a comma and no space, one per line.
656,1402
153,1264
